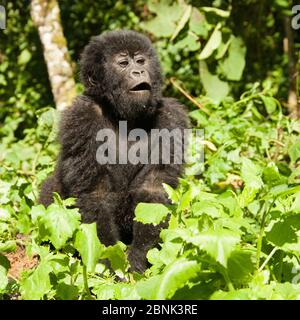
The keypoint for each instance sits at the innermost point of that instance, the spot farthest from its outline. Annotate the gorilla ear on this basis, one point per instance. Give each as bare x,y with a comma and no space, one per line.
92,81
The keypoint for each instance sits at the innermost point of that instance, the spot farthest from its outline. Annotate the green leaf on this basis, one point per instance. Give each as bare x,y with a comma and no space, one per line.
241,294
172,194
219,12
272,177
67,292
190,42
88,245
3,278
8,246
212,209
198,24
184,19
247,196
117,257
284,232
147,288
212,44
24,57
270,103
241,265
295,176
251,174
174,277
215,88
294,151
233,66
163,25
219,244
37,284
166,255
60,224
151,213
185,200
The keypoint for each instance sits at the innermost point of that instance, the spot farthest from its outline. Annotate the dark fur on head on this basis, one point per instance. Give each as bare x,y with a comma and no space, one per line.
104,85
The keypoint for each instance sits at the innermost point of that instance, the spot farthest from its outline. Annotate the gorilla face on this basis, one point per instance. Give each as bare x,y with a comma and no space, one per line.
121,71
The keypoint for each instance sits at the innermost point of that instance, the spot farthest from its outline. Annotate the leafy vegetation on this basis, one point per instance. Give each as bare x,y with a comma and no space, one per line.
234,229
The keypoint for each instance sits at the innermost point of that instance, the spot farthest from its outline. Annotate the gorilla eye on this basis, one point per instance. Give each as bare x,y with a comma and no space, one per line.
123,63
140,61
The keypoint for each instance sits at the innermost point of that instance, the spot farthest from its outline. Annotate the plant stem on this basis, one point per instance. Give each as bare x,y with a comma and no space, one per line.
261,232
85,281
228,281
267,259
188,96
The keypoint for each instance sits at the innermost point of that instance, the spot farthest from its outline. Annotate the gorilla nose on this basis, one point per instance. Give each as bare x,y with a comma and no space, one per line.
136,73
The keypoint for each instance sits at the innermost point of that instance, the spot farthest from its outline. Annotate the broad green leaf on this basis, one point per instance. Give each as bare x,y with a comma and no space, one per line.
272,177
219,244
4,262
88,245
251,174
24,57
241,294
3,278
198,23
295,176
270,103
185,200
8,246
294,151
163,25
241,264
184,19
104,291
60,224
215,88
213,209
37,212
151,213
247,196
285,232
296,204
172,194
190,42
117,257
212,44
37,284
166,255
174,277
67,292
232,67
147,289
125,291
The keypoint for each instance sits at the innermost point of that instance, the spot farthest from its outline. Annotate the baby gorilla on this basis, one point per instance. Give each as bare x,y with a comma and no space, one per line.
122,78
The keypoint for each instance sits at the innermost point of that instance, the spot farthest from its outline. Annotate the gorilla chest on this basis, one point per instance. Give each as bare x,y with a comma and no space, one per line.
130,158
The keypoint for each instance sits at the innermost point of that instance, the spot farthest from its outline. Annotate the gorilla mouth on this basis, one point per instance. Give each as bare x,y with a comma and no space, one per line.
143,86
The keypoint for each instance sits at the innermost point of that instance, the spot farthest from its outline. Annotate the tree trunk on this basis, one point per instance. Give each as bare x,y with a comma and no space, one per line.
292,105
46,16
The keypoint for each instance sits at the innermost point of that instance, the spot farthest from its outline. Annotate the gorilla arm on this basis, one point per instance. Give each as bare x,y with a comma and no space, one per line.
78,174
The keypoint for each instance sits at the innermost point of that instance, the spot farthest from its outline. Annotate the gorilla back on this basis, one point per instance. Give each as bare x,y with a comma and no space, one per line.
122,78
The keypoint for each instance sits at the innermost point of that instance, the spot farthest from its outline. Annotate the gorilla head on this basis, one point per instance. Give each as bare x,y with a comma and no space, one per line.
120,69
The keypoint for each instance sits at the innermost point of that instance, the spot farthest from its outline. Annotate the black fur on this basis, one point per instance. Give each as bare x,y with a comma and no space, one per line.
108,194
